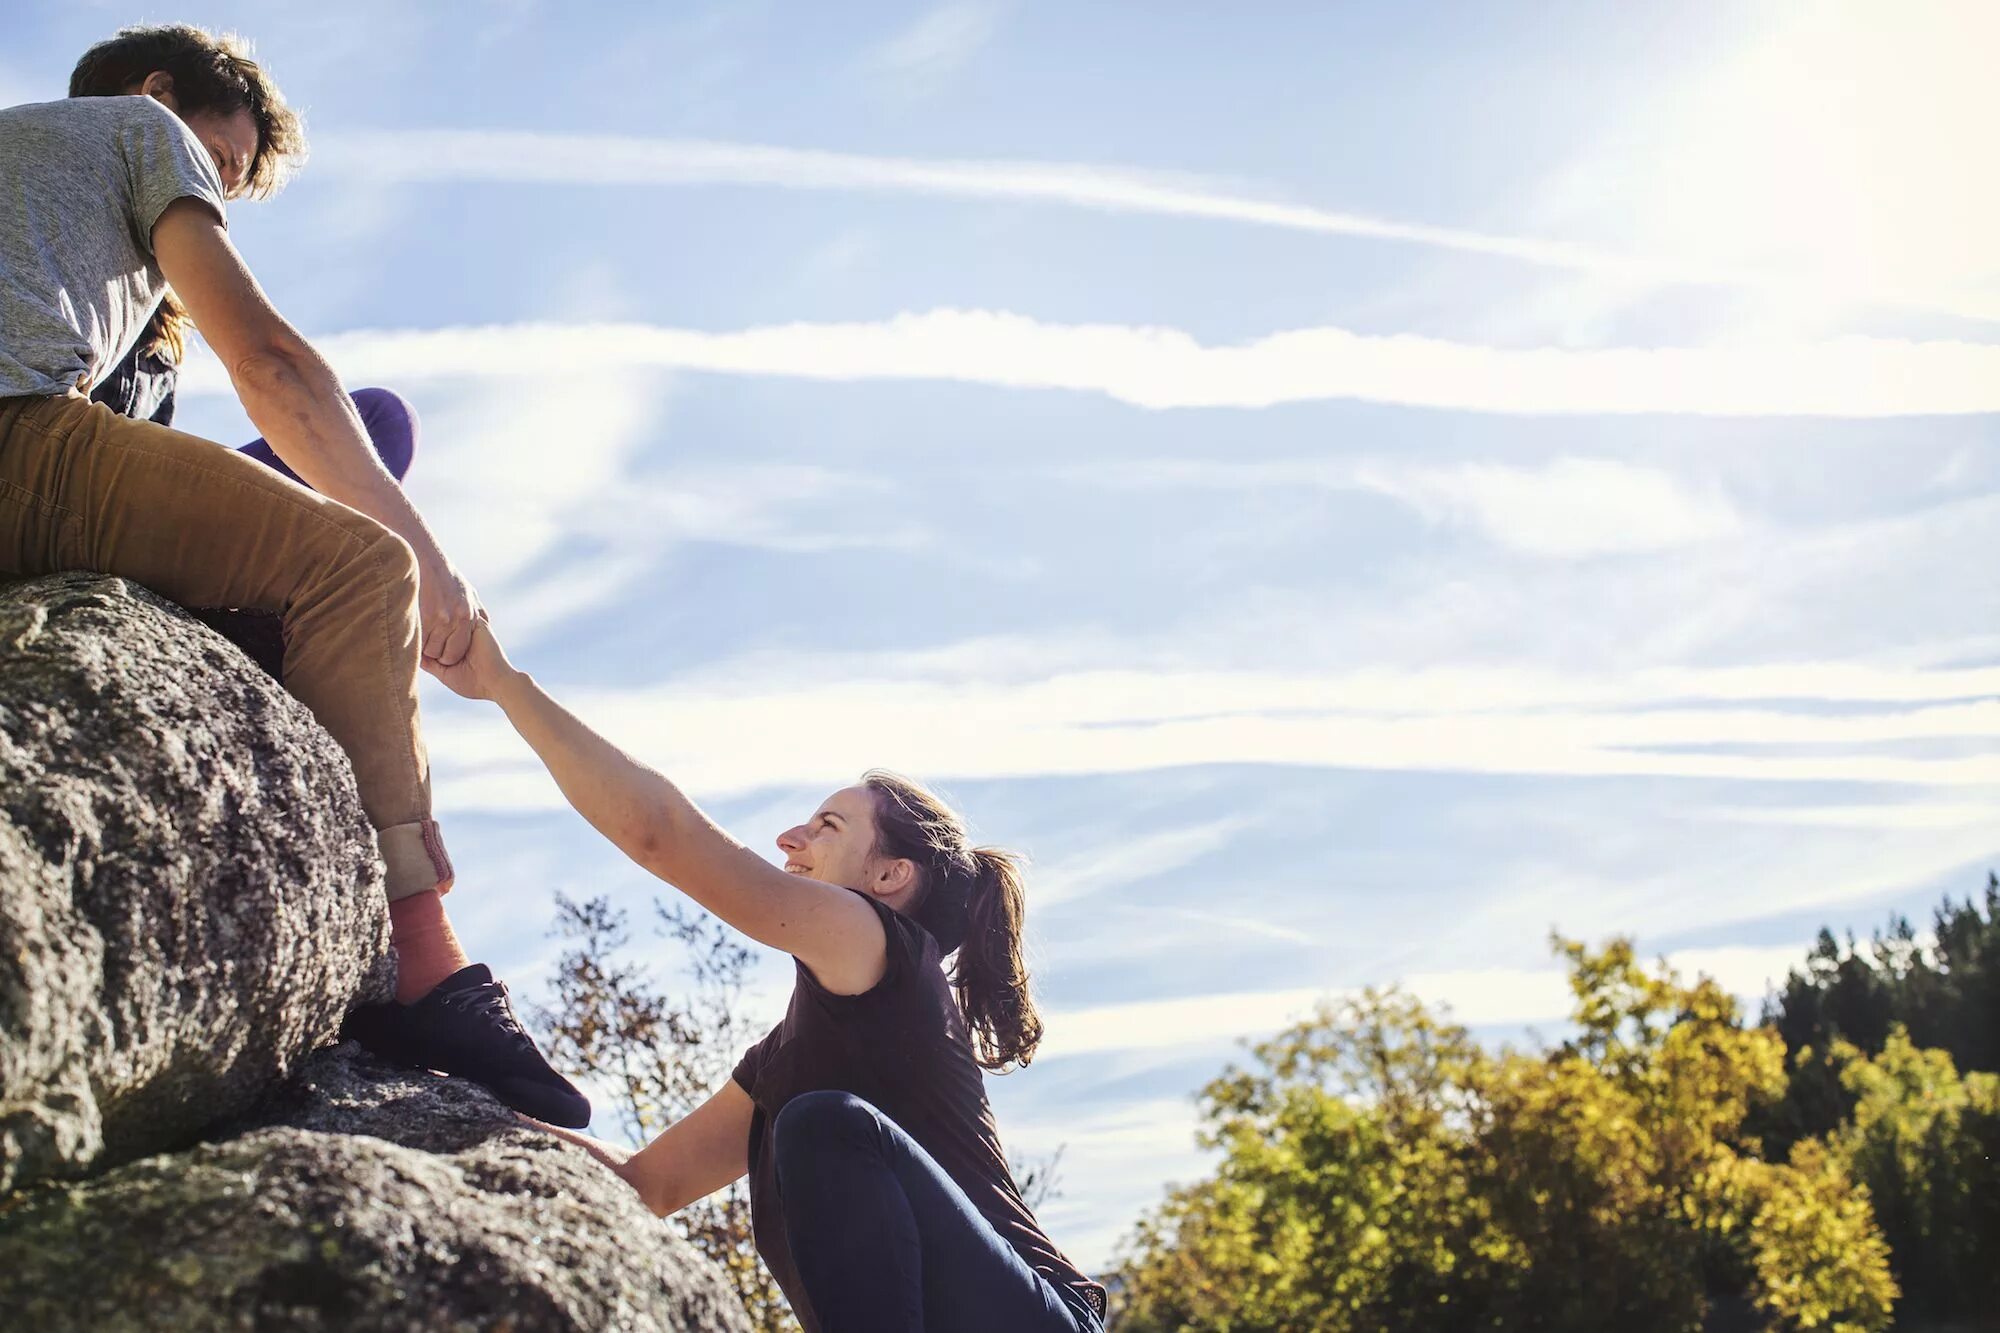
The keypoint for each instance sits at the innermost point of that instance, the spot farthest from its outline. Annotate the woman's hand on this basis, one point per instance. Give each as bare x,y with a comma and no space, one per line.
481,672
619,1160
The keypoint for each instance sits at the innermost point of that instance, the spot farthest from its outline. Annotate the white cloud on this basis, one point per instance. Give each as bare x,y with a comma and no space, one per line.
524,483
1113,1166
921,58
1189,1022
1907,815
1131,860
1234,923
531,157
721,738
1566,507
505,474
1476,997
1569,507
1163,367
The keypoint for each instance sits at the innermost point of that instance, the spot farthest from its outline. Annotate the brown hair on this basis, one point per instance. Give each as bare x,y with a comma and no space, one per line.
973,902
212,72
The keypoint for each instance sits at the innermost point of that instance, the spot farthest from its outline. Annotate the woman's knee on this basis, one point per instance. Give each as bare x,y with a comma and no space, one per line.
814,1121
392,427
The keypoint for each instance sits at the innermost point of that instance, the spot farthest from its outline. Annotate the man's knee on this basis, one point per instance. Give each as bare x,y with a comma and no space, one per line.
387,557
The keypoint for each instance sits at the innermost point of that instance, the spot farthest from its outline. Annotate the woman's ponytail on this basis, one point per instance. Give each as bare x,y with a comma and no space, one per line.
991,976
973,903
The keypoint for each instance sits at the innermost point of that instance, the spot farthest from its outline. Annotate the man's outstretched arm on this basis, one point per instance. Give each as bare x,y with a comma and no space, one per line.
294,398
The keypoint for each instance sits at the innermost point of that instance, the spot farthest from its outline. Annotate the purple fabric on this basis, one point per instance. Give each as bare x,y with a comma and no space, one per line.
392,427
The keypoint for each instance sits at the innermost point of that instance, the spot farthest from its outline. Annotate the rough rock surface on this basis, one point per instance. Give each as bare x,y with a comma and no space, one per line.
189,901
189,893
370,1199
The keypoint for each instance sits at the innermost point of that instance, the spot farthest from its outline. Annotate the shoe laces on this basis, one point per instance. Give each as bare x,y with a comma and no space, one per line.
489,1002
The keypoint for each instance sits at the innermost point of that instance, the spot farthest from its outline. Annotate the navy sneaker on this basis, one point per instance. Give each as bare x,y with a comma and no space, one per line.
466,1027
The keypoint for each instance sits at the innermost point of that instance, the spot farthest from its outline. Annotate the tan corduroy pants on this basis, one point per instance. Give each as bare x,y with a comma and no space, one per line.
84,488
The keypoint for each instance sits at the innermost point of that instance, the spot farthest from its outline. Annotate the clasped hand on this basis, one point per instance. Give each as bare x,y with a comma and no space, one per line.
447,610
481,671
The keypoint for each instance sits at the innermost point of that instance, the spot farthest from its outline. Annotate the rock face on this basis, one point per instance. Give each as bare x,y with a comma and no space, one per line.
189,893
189,901
373,1199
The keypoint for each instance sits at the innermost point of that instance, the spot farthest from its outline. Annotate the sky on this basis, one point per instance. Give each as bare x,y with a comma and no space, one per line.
1346,489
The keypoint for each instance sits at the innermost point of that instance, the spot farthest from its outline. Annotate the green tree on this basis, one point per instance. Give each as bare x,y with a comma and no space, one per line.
1922,1138
1379,1170
1945,993
612,1022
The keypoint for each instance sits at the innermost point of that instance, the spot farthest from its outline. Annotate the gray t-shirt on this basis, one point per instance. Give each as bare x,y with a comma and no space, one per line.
86,179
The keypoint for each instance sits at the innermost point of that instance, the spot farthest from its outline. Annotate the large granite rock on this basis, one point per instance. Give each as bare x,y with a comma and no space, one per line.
190,896
370,1199
189,901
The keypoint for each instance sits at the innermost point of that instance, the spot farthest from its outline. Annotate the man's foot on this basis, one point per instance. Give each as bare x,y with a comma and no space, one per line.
466,1027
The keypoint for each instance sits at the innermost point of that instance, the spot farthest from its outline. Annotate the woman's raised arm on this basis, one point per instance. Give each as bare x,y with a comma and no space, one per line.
649,819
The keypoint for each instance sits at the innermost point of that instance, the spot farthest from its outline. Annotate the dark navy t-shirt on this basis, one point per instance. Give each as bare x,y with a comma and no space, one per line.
903,1048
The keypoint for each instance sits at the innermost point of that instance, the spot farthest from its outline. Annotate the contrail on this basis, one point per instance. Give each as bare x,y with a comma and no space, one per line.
536,158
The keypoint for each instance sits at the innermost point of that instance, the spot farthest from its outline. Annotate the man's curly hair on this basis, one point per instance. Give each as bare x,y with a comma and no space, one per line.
212,72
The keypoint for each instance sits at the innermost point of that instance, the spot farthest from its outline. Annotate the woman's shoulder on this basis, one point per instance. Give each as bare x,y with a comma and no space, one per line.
912,974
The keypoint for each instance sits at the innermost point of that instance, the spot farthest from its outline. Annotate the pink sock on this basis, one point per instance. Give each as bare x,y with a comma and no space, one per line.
426,949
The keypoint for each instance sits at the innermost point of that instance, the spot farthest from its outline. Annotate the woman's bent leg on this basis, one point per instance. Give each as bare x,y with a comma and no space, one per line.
885,1242
388,418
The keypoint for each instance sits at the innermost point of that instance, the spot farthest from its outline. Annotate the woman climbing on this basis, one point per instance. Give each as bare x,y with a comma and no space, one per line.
880,1197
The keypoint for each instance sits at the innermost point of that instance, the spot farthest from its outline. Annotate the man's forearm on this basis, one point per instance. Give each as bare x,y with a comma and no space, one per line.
294,398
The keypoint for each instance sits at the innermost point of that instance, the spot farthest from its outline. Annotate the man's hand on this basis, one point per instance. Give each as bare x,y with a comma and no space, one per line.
447,608
481,671
293,396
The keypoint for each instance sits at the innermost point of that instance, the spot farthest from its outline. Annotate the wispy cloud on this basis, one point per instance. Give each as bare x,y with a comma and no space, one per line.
921,59
1237,923
1905,815
1477,997
1114,1162
720,738
1566,507
1569,507
1165,368
1134,859
534,157
543,496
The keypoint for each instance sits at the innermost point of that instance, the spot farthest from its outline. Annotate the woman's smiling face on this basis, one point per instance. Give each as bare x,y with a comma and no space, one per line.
837,845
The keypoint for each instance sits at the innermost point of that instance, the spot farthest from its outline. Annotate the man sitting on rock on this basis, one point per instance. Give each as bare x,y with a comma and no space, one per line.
108,201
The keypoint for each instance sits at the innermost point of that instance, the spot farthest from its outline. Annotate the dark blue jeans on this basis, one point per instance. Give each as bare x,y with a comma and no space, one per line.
886,1243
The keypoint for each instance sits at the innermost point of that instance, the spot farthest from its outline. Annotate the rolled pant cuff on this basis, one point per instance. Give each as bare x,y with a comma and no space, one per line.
415,858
